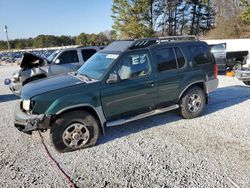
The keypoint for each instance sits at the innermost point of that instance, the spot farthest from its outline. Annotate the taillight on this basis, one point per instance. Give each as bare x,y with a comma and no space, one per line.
215,71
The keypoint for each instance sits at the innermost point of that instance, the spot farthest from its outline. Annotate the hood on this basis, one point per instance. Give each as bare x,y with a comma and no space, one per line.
30,60
49,84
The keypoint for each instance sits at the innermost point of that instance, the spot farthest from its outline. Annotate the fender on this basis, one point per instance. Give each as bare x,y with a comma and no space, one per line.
98,110
189,85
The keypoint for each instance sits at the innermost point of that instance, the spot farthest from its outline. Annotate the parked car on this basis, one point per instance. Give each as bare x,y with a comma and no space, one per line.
243,74
227,60
35,67
126,81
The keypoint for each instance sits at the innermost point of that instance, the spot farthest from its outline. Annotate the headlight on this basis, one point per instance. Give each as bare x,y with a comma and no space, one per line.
26,105
15,77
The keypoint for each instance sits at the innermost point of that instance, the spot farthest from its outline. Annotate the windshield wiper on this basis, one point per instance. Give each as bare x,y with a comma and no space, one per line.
85,75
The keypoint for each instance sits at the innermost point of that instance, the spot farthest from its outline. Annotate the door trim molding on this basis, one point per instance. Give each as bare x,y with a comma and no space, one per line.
141,116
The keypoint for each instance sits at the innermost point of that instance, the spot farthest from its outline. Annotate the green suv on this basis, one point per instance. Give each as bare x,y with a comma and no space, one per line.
126,81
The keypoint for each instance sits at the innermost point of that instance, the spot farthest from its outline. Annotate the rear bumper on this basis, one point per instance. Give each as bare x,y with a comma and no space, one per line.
243,75
212,85
28,122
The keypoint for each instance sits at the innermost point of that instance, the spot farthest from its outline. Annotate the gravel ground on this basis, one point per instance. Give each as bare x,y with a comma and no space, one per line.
160,151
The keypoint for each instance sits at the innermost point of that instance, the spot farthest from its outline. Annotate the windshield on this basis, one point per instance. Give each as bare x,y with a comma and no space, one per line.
52,56
96,66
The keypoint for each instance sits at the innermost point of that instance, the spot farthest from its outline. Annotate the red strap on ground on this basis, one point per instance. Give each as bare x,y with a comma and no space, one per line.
63,173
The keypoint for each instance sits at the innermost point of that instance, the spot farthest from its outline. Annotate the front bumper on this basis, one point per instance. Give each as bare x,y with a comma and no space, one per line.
29,122
243,74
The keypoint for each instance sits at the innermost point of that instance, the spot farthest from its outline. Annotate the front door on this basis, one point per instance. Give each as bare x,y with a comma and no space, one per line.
135,92
68,61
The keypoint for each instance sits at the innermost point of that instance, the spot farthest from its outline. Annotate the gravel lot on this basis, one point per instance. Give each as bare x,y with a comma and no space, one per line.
160,151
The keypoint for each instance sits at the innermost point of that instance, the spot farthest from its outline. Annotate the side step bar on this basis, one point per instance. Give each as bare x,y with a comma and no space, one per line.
154,112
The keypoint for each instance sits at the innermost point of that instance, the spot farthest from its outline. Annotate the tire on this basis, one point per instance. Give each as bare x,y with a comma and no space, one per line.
73,131
192,103
246,82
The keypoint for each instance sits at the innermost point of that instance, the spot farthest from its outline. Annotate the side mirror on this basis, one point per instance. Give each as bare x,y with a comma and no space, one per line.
57,61
113,78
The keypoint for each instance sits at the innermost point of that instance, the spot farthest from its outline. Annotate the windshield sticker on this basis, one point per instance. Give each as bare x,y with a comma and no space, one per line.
112,56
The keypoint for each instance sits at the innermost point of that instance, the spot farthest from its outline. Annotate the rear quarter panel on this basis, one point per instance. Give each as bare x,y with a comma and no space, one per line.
195,73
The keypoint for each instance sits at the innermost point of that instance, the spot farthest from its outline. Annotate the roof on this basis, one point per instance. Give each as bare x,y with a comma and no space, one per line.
119,46
123,45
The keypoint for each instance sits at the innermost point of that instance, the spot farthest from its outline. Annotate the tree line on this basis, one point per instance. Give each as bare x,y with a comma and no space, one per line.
43,41
216,18
149,18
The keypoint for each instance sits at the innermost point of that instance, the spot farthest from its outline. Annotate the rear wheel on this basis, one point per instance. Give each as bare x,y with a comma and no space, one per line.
73,131
192,103
246,82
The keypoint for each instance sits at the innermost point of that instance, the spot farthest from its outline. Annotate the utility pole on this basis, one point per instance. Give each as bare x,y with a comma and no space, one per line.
6,32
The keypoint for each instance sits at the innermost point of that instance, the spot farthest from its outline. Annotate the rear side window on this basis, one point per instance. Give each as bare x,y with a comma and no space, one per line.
165,59
87,53
180,57
200,54
69,57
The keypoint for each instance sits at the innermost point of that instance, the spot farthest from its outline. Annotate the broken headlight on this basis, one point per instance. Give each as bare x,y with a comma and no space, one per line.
27,105
15,77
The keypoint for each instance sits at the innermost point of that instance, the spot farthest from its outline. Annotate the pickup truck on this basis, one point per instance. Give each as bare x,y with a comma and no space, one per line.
62,61
126,81
227,60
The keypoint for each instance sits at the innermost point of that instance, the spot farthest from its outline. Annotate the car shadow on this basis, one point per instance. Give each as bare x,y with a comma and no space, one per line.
8,97
218,100
226,97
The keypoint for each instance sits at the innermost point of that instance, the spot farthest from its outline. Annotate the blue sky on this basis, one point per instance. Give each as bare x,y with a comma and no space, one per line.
29,18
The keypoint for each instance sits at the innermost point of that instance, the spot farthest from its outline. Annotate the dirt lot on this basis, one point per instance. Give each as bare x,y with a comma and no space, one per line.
161,151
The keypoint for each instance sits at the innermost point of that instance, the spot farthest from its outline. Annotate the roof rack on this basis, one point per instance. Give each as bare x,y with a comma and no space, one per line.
142,43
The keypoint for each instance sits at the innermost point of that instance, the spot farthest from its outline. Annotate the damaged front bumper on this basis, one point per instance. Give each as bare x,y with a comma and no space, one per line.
30,122
15,88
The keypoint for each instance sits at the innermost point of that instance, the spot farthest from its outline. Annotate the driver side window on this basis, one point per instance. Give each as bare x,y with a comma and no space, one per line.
69,57
133,65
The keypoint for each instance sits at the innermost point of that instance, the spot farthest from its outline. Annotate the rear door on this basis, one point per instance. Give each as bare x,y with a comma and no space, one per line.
136,92
171,67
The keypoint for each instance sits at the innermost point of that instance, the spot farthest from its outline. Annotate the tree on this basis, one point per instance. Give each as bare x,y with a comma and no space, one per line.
231,19
178,17
245,14
82,39
133,18
102,39
20,44
112,35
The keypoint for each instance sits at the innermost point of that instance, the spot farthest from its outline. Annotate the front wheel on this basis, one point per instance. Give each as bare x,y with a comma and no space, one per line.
246,82
192,103
73,131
